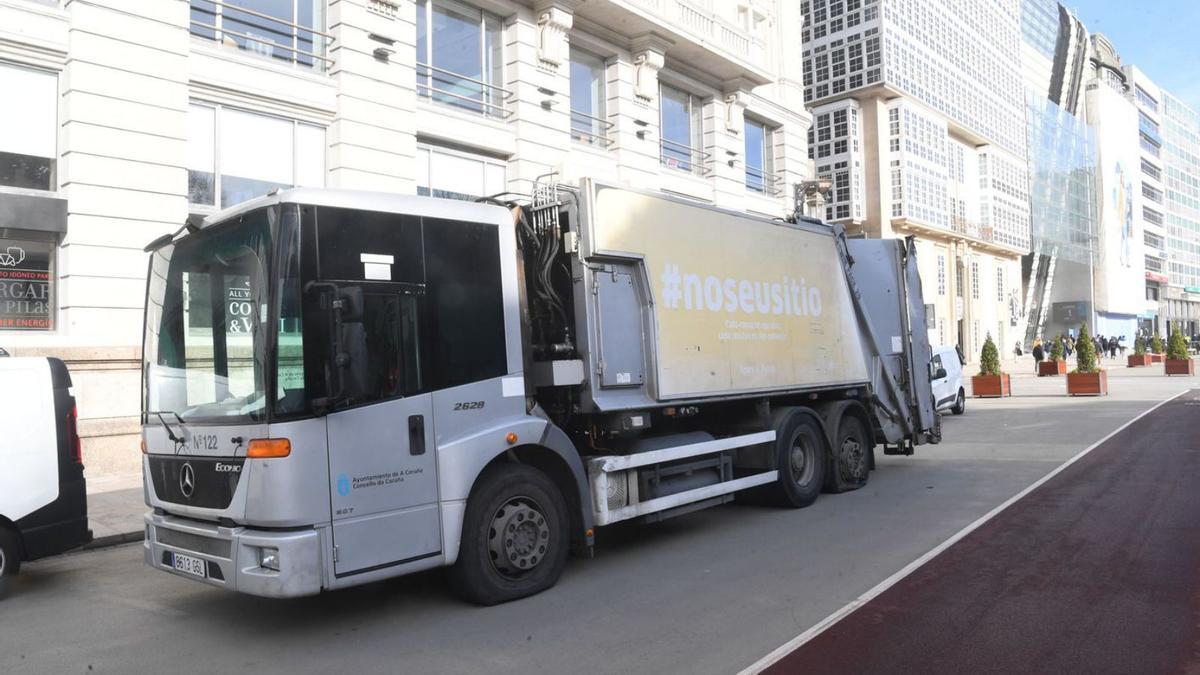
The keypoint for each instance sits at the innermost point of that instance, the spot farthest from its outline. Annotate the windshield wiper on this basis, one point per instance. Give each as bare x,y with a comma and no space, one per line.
177,440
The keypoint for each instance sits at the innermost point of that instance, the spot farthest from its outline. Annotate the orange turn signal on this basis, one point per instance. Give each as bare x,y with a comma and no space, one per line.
263,448
143,446
511,438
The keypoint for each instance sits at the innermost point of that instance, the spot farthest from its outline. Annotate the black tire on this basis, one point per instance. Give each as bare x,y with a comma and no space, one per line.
525,502
10,558
800,453
960,403
851,467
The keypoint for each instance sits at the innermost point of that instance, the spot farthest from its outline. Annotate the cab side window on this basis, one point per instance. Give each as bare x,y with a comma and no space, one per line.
423,306
464,303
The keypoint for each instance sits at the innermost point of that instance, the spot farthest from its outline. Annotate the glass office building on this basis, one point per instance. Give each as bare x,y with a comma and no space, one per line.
1062,162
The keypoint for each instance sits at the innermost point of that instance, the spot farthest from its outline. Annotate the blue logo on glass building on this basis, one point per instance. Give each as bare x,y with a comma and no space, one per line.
343,484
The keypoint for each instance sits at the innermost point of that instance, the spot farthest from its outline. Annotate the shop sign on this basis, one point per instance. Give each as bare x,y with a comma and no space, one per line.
25,285
1192,289
1155,276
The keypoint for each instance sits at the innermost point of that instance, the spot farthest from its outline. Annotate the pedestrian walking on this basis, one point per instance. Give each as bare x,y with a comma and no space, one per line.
1039,355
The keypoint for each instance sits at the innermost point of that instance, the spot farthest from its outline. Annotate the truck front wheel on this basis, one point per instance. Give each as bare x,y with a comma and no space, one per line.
800,457
514,537
10,558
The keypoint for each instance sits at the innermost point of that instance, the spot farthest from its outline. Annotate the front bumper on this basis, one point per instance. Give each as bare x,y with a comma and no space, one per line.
232,555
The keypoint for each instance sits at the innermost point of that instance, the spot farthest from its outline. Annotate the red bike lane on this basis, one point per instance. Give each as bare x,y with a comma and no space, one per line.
1095,571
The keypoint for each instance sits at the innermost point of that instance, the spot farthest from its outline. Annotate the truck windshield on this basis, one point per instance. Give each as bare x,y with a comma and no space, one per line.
207,322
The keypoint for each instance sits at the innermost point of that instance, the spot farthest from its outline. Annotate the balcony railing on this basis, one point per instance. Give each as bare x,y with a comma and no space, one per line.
451,88
762,182
590,129
698,17
259,33
683,157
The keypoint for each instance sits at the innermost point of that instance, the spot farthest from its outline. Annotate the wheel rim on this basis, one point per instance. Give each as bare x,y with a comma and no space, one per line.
3,561
854,459
801,461
519,537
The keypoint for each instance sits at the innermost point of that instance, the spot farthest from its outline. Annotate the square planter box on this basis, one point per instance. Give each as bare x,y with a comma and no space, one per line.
990,386
1180,367
1046,368
1136,361
1157,358
1087,384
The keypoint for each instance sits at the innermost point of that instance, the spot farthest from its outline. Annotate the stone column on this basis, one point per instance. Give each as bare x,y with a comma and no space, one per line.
372,142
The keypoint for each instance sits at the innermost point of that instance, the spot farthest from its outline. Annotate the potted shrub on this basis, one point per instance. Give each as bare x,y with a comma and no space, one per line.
1088,379
1156,348
1139,357
1055,365
1178,362
990,382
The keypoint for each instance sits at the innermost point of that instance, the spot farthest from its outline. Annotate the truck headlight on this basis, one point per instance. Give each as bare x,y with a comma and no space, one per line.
268,558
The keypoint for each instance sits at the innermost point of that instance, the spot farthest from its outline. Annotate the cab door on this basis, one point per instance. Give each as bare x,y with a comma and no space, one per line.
382,467
383,485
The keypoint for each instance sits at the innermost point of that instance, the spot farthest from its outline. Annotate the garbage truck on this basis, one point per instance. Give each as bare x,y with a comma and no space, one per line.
342,387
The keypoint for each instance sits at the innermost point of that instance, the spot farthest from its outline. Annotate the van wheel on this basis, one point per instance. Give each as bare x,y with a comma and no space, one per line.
851,456
514,538
800,454
960,403
10,558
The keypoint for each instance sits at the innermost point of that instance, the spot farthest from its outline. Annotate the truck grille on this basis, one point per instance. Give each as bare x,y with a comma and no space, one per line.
203,487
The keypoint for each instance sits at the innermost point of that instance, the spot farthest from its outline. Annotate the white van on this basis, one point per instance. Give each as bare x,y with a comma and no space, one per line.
43,497
946,369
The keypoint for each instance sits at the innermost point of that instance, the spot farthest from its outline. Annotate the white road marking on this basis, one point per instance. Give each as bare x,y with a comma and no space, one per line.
823,625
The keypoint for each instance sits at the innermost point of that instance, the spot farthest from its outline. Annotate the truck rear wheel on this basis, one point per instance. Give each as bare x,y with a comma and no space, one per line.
10,558
800,454
851,456
514,537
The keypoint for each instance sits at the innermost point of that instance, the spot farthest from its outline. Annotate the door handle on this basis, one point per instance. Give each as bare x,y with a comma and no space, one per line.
416,434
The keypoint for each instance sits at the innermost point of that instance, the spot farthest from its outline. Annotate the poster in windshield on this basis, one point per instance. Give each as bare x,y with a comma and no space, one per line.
25,285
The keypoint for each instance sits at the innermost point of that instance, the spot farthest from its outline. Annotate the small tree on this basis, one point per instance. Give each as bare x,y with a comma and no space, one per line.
1139,346
1156,345
1177,347
1056,349
1085,354
989,358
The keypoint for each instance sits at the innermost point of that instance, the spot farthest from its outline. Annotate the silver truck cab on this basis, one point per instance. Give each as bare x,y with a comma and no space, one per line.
326,375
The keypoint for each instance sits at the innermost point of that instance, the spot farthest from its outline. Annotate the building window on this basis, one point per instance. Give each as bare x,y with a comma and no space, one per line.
285,30
588,123
1151,170
679,121
240,155
1145,98
1151,216
760,165
1000,284
941,274
459,56
1152,193
975,281
451,174
28,129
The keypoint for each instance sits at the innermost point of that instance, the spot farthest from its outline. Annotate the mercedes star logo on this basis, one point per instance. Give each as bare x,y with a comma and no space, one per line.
187,480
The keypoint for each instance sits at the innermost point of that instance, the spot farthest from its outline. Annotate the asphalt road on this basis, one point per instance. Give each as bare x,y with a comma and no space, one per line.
1095,571
711,592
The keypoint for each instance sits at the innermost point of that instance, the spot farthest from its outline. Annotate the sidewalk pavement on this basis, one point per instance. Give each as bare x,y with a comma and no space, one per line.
115,509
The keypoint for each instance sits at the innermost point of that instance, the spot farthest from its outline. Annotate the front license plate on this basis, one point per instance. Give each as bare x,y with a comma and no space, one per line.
189,565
